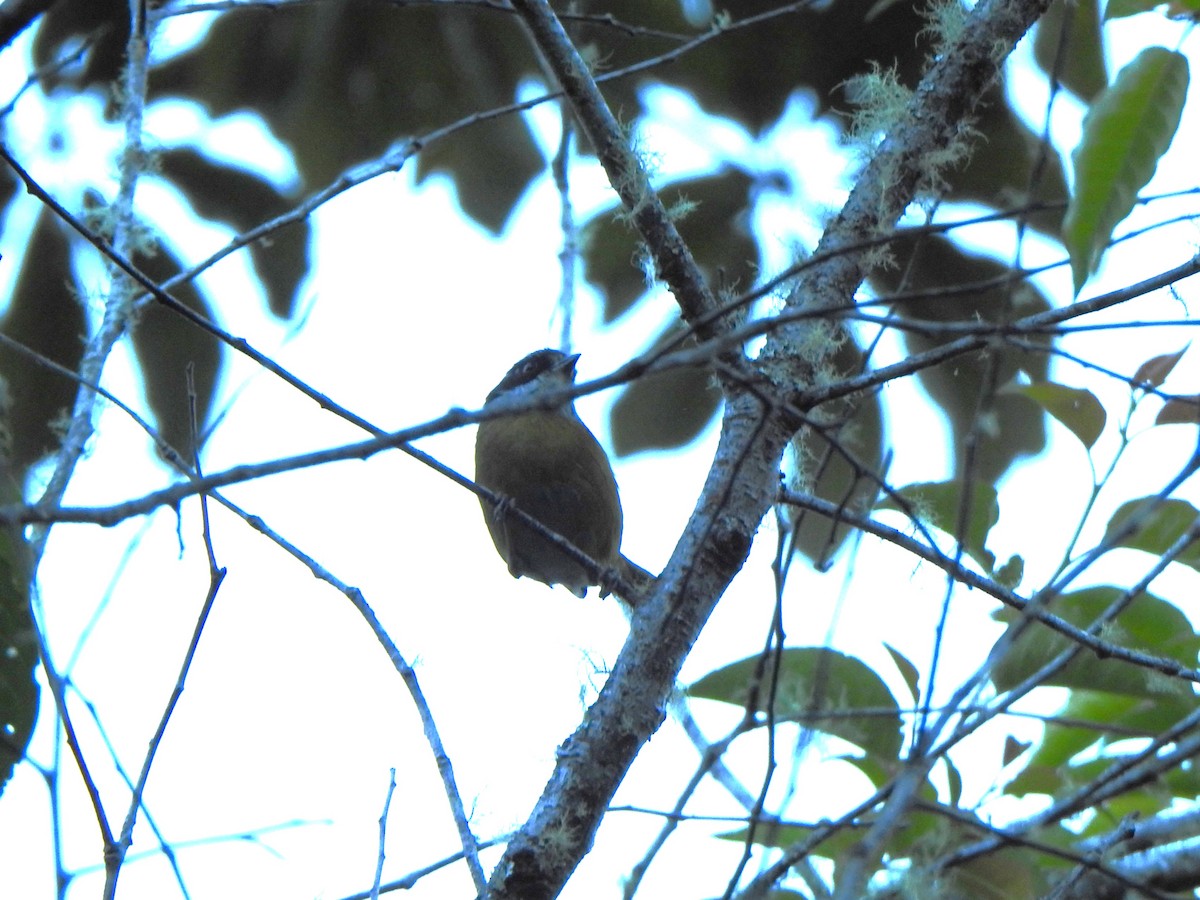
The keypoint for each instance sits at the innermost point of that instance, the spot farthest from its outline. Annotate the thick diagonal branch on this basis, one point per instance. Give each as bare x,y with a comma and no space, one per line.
756,428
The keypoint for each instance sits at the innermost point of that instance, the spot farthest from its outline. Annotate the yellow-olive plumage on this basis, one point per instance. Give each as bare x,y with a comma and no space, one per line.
549,465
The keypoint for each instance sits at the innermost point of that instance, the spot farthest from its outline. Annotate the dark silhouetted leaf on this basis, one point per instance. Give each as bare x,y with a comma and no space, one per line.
103,24
46,316
929,271
1014,748
340,82
19,692
1010,160
1180,411
8,186
737,76
1154,371
244,199
666,409
821,468
715,227
166,344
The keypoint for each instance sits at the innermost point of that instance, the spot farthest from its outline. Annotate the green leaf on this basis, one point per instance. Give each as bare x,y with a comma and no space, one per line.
1158,524
1183,780
921,828
876,771
1078,409
1119,9
1006,875
912,677
1175,9
783,836
1128,128
939,504
1081,69
1122,717
1010,574
954,777
1089,720
1137,804
1035,779
1148,624
825,689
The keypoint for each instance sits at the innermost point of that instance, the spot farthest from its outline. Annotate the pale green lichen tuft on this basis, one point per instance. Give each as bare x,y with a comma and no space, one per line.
880,101
945,23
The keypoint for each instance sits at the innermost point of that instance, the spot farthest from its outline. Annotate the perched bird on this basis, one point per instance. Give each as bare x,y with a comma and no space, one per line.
547,464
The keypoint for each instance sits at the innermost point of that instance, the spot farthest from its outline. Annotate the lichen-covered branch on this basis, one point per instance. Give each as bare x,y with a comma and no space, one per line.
757,425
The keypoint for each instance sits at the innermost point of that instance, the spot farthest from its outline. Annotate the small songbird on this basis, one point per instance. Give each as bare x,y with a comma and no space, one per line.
547,463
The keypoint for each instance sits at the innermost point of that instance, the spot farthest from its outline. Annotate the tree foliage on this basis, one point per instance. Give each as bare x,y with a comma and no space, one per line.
784,357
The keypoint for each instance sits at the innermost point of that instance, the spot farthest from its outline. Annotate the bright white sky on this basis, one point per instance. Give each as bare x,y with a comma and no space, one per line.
293,717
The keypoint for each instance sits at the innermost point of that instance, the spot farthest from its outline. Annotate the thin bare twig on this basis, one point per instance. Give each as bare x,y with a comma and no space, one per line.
387,803
115,859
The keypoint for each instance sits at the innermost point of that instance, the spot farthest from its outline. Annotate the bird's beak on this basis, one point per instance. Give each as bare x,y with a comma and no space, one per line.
568,363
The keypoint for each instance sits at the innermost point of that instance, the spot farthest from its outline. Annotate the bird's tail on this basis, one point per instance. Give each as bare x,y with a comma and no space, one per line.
631,584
